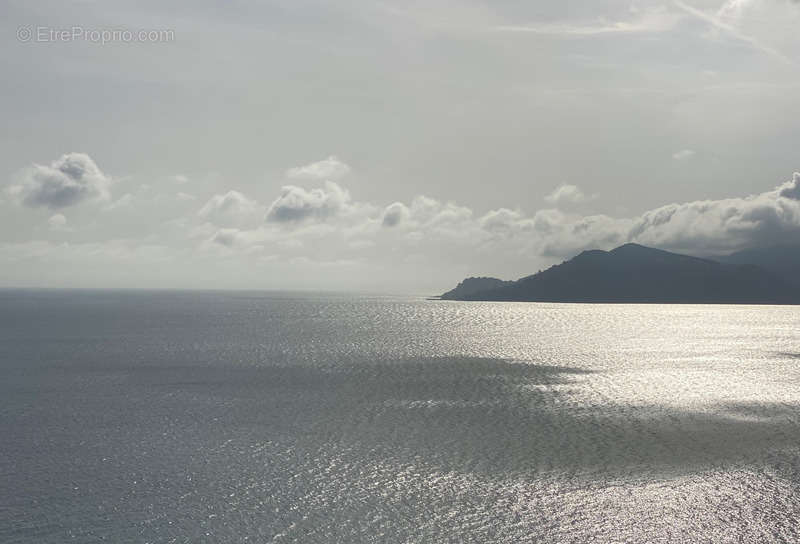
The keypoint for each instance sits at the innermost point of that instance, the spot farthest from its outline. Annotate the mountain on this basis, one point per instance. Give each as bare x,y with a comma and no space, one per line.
471,286
635,273
783,260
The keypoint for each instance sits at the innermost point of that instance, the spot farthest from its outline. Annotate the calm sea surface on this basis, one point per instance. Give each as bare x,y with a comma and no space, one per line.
233,417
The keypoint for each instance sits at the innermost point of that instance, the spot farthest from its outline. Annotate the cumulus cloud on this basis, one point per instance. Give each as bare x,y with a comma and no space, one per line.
69,180
702,227
296,204
57,222
232,209
562,235
331,169
683,155
394,214
791,189
325,222
717,226
566,195
706,227
429,212
505,222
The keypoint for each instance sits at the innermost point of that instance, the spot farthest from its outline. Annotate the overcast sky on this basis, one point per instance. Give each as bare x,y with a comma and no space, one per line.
387,146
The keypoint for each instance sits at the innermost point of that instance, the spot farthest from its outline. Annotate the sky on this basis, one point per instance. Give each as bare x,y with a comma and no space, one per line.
392,147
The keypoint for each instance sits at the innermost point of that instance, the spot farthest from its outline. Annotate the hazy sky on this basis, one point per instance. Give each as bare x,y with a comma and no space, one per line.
387,146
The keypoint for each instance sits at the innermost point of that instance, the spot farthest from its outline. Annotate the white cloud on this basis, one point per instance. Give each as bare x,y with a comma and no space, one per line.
683,155
297,204
69,180
233,209
180,179
57,222
717,226
325,224
505,222
558,234
426,212
702,227
566,195
791,189
331,169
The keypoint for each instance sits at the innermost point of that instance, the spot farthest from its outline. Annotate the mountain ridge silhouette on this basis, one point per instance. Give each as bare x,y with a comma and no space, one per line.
637,274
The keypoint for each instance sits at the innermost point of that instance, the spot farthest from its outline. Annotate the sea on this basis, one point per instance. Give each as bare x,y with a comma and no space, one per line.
193,417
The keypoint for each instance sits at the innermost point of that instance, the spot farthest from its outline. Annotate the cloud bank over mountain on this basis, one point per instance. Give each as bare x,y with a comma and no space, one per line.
309,229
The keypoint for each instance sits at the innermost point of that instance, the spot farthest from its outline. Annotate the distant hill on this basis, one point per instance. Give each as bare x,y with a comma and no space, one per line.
471,286
635,273
783,260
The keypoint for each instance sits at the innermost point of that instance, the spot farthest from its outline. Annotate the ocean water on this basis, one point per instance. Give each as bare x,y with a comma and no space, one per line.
264,417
